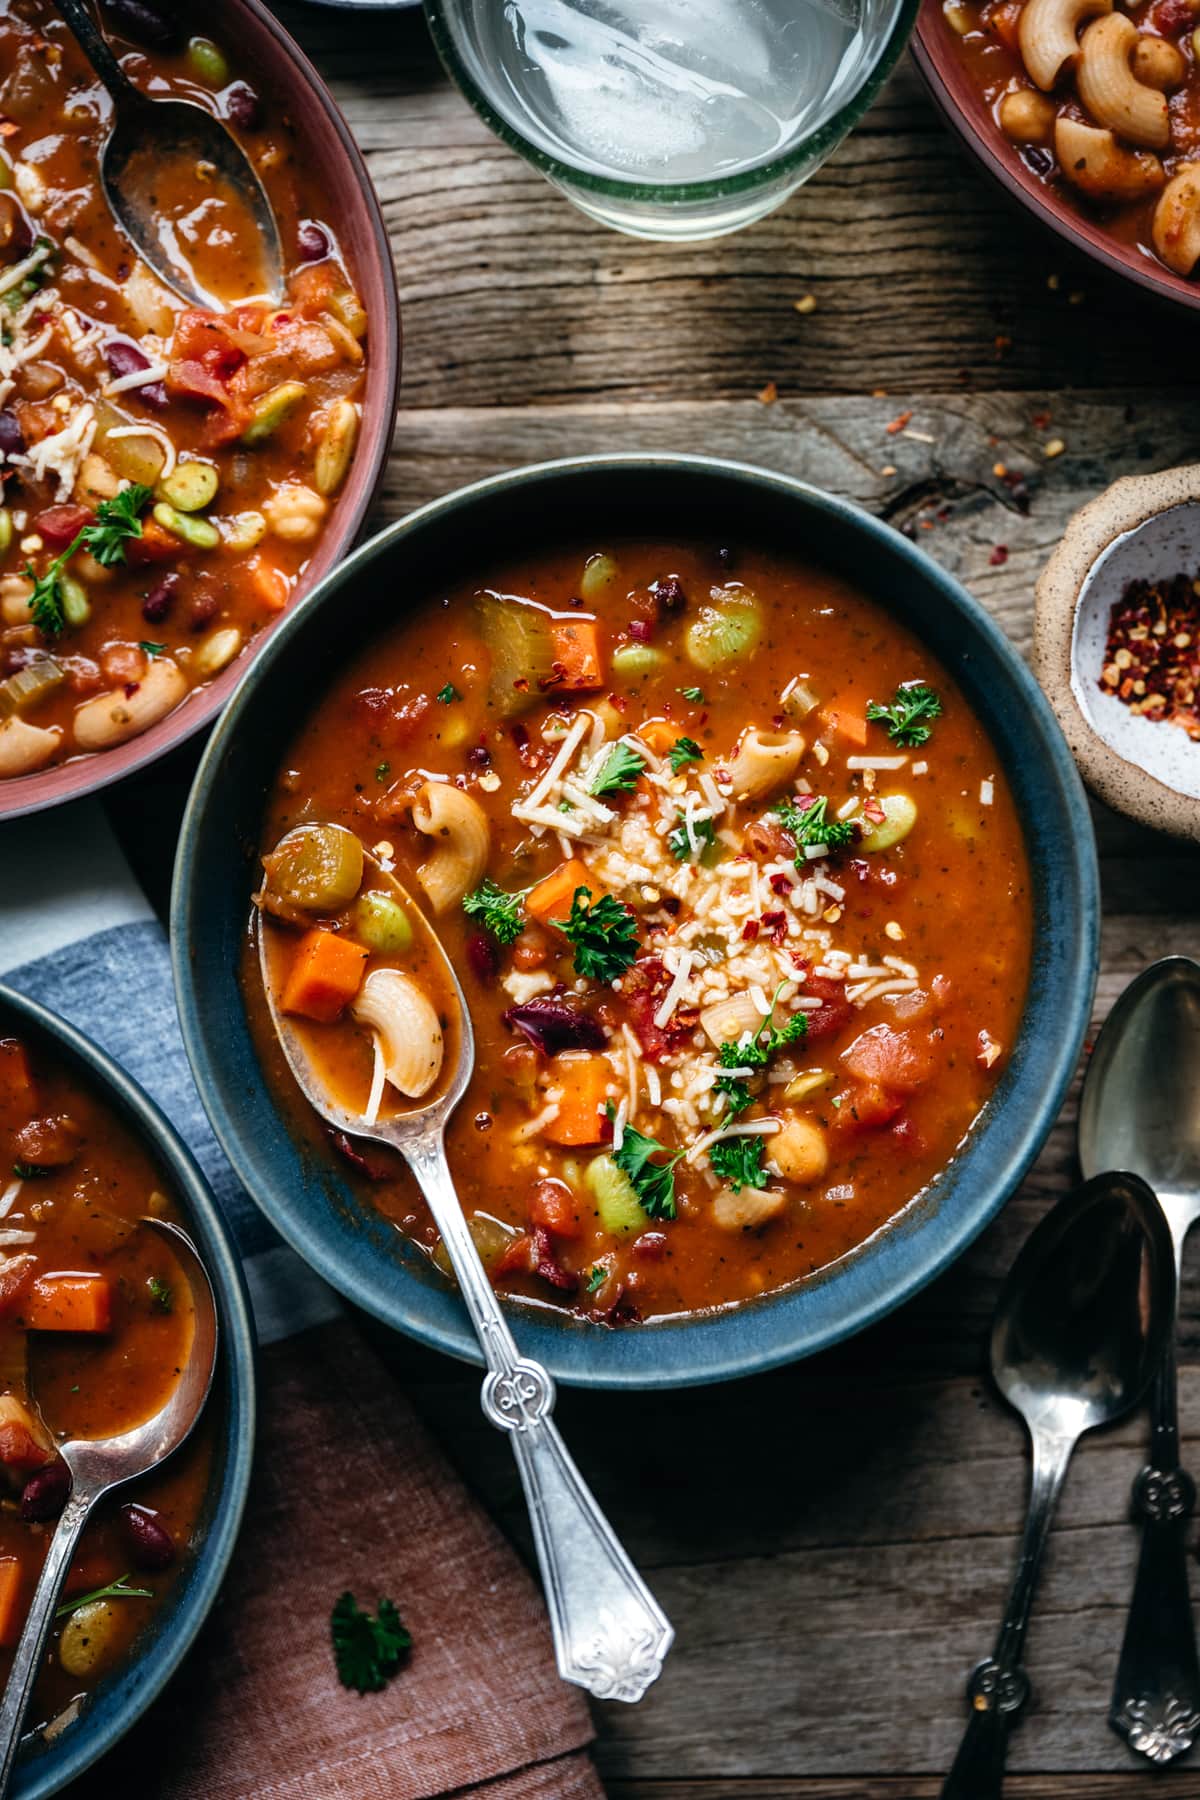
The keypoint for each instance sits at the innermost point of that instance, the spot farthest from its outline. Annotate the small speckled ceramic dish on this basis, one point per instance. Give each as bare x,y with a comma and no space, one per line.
354,1246
1143,527
122,1697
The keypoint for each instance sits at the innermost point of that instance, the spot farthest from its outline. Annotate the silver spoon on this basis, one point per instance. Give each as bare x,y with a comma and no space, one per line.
610,1634
97,1466
1079,1331
1141,1110
146,137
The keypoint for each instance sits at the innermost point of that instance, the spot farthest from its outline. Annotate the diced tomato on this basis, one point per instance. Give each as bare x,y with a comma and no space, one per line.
311,287
15,1277
901,1060
643,987
193,380
23,1443
59,526
518,1259
204,338
865,1106
18,1095
905,1133
835,1011
907,1007
552,1205
48,1143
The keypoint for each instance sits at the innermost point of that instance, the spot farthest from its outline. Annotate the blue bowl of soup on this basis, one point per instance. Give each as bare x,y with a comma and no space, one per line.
409,580
122,1696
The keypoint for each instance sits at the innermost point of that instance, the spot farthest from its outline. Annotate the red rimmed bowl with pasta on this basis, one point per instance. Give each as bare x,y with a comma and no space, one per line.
173,476
1089,113
757,874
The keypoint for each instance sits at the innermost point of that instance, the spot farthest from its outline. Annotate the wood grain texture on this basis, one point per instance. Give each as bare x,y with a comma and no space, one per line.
833,1541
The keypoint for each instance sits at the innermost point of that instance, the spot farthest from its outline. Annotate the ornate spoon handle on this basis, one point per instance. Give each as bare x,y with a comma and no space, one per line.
999,1687
610,1634
1156,1695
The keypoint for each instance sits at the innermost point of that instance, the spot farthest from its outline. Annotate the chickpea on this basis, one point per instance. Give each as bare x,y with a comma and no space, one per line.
16,591
1157,64
799,1151
748,1208
1027,117
295,512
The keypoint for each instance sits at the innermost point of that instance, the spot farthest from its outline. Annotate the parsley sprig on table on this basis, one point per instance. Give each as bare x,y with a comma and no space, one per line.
367,1649
653,1183
907,718
497,912
603,935
684,750
738,1160
618,772
116,1590
810,825
117,521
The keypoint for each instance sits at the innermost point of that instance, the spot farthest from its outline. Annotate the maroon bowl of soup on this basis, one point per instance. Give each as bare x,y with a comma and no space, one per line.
174,477
1022,97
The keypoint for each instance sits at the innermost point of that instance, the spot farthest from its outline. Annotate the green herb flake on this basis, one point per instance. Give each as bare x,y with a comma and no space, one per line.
908,717
618,772
684,750
367,1649
382,771
160,1294
116,1590
738,1160
448,694
596,1278
603,935
151,650
693,694
738,1096
810,826
680,843
29,1171
497,912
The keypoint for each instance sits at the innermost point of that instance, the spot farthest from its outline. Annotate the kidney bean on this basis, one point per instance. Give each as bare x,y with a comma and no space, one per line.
144,24
242,106
668,590
202,610
45,1493
12,438
483,956
160,599
59,526
151,1545
124,358
312,241
650,1246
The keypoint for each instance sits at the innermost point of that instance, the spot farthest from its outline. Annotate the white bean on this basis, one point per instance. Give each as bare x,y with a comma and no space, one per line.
112,718
217,649
24,748
16,591
88,1638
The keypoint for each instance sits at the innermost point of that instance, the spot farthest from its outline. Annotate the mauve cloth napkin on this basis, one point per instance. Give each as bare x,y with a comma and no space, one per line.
349,1490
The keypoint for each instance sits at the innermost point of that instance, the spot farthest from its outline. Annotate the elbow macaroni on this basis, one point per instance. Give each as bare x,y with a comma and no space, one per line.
459,827
1048,35
763,761
1092,160
1176,227
407,1029
1110,90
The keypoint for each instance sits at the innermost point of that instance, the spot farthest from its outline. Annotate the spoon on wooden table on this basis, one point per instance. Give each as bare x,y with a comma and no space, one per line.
1141,1110
610,1634
1080,1329
97,1466
147,139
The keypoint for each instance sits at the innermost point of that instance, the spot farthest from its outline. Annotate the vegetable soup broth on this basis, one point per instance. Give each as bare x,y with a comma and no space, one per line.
95,1322
167,470
908,963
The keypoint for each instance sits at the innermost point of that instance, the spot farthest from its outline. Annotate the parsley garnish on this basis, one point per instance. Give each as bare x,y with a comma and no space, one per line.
618,772
116,1590
160,1293
116,522
497,912
367,1650
754,1055
810,826
603,934
693,694
566,806
681,844
151,650
906,717
735,1091
653,1183
382,771
684,750
738,1160
448,693
596,1278
28,1171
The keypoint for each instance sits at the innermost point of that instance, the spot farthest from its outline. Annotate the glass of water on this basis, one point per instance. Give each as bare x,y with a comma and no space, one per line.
672,119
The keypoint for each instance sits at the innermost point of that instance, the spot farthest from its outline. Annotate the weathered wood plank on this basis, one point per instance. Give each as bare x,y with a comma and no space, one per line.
925,276
1132,1785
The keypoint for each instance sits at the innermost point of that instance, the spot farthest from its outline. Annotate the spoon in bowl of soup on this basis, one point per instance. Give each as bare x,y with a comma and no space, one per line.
375,1029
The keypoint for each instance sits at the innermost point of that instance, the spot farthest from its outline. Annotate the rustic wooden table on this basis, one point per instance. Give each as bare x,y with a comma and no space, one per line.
833,1542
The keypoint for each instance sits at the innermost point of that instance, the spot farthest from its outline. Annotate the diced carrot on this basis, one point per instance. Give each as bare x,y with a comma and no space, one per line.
154,545
577,665
12,1605
584,1083
68,1302
271,586
850,725
552,896
660,735
324,977
18,1096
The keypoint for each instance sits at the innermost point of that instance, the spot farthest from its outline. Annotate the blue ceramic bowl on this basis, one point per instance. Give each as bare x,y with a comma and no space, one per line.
122,1699
350,1244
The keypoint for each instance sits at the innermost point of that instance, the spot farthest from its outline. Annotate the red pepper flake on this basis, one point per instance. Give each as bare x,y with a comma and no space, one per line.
873,811
750,931
1041,421
1152,656
781,883
768,394
131,688
999,555
898,423
775,926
